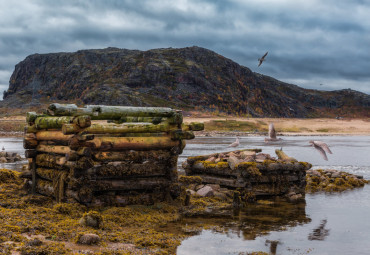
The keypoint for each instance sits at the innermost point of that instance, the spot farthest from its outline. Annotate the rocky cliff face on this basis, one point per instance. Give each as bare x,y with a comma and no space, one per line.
187,78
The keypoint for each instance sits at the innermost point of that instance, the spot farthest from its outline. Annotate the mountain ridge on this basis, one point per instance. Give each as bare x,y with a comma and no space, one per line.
191,78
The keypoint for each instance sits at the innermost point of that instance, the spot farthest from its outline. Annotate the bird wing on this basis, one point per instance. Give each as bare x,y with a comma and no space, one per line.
272,132
260,62
265,55
324,146
322,152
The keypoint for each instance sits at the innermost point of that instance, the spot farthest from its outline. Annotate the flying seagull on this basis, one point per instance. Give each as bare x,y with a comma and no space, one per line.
236,143
272,134
321,147
262,59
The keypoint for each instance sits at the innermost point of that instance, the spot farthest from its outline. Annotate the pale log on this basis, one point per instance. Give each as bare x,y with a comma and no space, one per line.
52,135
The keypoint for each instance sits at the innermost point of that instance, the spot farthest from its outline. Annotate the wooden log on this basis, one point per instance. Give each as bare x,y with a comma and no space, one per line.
30,117
84,152
281,155
181,135
52,135
33,172
127,169
103,112
75,142
130,143
154,120
30,153
48,173
47,160
134,156
128,199
30,129
224,182
58,149
109,128
193,126
134,184
51,122
206,167
30,141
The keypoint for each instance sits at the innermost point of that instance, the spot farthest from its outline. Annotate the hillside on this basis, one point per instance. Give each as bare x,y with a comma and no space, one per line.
190,78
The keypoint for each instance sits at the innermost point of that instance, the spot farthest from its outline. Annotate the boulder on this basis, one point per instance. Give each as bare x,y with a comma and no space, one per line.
88,239
206,191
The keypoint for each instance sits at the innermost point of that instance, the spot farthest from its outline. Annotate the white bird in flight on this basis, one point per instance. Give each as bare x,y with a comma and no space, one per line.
236,143
321,147
262,59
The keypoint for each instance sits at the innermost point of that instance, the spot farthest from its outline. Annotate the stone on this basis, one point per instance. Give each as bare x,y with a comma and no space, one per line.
34,242
89,239
336,175
3,160
215,187
91,219
220,195
198,187
206,191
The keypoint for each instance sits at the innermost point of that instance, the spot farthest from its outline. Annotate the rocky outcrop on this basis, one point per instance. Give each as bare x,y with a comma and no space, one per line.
186,78
9,157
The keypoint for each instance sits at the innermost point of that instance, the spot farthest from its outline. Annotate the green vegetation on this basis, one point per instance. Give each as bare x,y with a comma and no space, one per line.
234,125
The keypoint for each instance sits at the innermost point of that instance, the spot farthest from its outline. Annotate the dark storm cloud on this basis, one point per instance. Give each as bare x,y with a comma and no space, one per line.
309,42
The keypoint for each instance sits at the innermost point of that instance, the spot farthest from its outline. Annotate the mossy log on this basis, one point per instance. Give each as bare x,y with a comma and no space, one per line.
52,135
48,173
193,126
224,182
51,122
30,117
207,167
181,135
30,141
127,169
109,128
47,160
282,156
134,156
103,112
57,149
154,120
45,187
130,143
30,129
130,184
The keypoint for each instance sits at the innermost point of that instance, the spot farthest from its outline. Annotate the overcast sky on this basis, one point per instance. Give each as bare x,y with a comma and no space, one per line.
319,44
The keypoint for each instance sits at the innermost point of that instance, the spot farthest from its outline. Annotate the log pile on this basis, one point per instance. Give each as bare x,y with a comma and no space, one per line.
106,155
252,172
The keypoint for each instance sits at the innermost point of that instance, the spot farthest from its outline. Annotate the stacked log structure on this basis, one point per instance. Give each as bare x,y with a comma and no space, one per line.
254,173
106,155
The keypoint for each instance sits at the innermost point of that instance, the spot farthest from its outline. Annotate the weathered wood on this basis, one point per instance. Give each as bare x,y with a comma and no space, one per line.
133,156
52,122
30,117
84,151
154,120
127,169
33,172
30,153
130,143
281,155
101,112
224,182
58,149
193,126
52,135
220,168
180,135
47,160
30,141
109,128
128,199
30,129
134,184
48,173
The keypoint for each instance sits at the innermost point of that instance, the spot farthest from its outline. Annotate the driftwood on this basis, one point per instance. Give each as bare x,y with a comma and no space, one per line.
130,143
126,169
134,156
109,128
52,135
30,141
57,122
58,149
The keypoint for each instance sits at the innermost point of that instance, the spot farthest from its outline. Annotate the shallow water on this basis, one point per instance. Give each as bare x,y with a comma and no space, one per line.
328,223
322,224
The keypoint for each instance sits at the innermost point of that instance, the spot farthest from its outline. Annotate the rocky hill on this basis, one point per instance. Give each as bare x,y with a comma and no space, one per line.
190,78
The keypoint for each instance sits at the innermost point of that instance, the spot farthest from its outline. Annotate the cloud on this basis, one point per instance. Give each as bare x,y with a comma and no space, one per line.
308,41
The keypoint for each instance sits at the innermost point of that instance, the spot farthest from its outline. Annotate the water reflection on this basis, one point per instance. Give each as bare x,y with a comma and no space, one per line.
249,223
319,233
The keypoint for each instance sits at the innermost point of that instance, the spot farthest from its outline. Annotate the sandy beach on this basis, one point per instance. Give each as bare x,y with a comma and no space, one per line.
292,126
